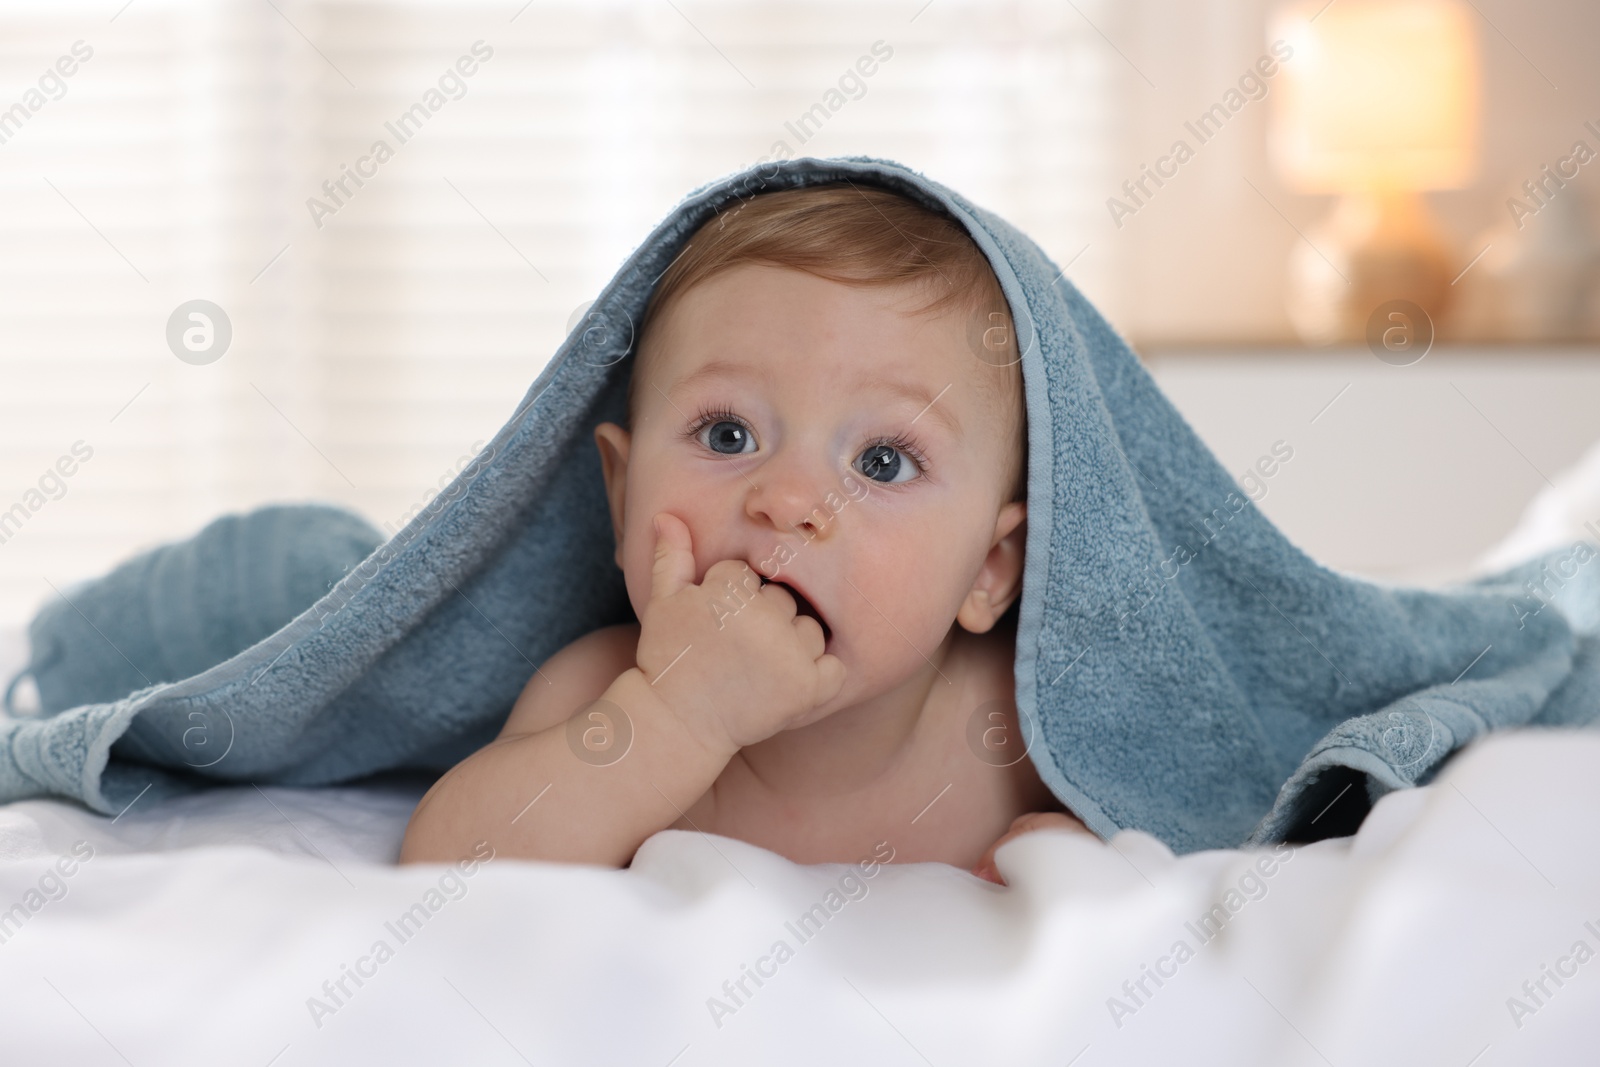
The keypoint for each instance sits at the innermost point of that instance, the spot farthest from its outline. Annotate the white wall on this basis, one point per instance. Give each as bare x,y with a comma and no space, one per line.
1412,472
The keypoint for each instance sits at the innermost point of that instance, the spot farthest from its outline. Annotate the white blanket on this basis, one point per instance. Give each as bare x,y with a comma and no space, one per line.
220,929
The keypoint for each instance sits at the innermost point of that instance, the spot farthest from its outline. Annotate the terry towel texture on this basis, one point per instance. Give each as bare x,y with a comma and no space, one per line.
1183,668
181,608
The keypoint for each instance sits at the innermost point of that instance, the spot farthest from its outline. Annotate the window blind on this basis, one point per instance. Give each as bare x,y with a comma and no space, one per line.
389,306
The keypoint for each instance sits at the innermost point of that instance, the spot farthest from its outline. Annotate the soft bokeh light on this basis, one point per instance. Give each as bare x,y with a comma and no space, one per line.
1379,95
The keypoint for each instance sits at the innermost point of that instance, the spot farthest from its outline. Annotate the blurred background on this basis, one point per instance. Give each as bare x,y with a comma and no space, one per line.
374,314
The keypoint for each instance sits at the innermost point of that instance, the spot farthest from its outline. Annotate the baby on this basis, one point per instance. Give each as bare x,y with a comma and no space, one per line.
819,511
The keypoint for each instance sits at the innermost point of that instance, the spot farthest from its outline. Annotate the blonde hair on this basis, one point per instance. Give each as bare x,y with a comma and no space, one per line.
859,235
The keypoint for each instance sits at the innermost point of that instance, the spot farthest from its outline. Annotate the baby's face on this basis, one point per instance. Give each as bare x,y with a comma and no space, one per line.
837,443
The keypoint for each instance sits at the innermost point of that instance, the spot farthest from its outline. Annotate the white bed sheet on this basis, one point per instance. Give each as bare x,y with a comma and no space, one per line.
201,928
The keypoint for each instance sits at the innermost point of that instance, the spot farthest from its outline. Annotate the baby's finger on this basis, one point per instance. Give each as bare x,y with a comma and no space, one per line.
1039,820
831,668
1022,824
986,869
779,593
811,637
674,556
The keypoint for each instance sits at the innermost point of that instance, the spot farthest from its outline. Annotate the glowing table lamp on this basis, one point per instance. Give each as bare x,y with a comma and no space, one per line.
1378,102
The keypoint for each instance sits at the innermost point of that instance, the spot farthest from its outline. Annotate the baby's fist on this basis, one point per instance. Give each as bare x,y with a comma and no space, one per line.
732,677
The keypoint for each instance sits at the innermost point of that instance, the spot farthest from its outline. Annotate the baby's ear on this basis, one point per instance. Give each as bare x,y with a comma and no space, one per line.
614,443
999,581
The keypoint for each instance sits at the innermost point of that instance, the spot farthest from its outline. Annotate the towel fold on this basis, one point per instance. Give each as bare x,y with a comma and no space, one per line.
180,608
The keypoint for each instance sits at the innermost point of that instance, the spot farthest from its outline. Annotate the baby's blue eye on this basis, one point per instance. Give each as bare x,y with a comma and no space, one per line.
726,435
884,459
730,434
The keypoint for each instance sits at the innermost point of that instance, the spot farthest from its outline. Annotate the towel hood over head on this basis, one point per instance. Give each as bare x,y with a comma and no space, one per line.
1181,668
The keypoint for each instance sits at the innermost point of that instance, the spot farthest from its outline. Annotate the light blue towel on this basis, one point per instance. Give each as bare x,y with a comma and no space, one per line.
1185,670
178,609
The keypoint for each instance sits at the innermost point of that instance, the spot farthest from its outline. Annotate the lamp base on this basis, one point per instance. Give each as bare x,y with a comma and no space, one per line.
1373,248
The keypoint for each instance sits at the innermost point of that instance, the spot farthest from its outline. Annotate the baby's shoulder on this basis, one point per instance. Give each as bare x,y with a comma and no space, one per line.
578,673
598,656
596,652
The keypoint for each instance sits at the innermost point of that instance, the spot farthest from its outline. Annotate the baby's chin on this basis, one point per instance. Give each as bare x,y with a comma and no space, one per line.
862,680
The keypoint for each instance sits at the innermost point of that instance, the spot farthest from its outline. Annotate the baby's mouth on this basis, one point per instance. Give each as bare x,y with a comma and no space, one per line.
804,607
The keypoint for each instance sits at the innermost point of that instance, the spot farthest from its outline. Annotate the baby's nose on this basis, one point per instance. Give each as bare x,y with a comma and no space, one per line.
793,502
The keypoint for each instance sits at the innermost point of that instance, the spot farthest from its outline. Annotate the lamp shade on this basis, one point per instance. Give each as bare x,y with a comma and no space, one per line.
1377,96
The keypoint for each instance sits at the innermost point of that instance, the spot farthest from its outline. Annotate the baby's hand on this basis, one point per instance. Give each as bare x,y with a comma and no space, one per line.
1033,820
732,679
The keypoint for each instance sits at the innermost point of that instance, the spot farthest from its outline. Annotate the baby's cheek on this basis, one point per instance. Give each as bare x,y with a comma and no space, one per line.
898,622
903,600
913,585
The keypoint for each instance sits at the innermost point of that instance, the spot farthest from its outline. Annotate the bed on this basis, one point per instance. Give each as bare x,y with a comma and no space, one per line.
269,926
226,927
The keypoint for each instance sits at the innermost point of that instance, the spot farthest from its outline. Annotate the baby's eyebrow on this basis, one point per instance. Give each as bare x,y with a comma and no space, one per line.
917,393
717,368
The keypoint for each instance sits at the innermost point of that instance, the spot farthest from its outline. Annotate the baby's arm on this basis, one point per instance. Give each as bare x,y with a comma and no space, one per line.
584,813
703,686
